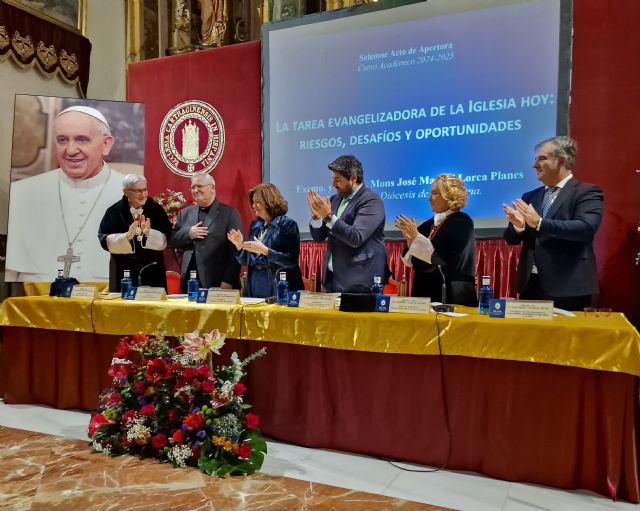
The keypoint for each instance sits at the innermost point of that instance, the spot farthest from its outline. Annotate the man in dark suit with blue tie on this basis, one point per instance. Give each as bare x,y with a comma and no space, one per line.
353,222
556,224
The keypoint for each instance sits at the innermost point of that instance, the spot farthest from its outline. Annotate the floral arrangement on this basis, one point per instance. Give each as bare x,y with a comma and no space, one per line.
173,203
172,404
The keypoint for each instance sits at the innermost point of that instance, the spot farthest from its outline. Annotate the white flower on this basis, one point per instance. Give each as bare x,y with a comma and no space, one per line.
200,347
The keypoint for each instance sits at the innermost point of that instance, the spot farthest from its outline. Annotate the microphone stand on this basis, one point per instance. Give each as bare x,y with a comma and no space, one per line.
142,269
443,307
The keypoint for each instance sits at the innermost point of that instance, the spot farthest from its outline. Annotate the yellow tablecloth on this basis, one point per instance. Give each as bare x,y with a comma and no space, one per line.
50,313
123,317
604,343
40,288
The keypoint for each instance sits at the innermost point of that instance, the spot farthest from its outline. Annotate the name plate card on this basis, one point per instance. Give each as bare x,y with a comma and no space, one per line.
317,300
81,291
146,294
521,309
219,296
406,304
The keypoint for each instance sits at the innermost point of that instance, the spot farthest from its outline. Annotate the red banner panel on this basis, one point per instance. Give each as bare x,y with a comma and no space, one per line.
202,114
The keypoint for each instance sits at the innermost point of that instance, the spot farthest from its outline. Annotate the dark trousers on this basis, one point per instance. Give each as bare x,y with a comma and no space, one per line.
533,291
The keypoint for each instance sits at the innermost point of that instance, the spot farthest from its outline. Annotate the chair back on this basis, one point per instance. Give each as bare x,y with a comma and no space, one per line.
396,287
173,283
311,283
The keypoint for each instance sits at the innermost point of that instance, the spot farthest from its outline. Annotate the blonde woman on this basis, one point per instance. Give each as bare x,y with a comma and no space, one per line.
446,241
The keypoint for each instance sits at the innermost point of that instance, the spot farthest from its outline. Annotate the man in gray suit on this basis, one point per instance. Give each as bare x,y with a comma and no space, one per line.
556,224
353,222
201,230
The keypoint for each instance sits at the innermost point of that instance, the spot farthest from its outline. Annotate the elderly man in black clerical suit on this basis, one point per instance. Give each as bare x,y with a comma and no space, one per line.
134,231
556,224
202,231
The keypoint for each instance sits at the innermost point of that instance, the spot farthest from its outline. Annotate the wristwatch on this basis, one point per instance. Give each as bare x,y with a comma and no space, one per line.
327,218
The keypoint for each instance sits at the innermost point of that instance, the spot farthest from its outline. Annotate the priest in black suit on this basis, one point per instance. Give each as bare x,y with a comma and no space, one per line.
201,231
556,224
134,231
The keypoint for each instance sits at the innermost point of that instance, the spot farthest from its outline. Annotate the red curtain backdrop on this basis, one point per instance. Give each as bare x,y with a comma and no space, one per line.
493,257
604,109
228,79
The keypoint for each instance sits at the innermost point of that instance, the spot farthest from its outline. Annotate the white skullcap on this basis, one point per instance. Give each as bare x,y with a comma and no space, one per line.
86,110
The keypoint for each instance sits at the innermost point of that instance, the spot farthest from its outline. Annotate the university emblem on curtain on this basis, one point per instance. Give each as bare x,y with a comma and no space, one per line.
192,138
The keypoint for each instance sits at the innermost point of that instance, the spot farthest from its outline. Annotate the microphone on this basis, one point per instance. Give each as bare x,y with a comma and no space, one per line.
443,307
142,269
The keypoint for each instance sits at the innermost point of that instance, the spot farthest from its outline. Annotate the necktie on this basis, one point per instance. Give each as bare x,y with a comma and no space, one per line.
342,207
549,195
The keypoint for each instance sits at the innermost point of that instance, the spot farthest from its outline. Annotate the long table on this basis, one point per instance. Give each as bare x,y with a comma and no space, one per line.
550,402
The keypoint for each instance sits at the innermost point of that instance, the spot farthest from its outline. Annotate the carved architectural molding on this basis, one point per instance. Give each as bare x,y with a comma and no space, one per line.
31,42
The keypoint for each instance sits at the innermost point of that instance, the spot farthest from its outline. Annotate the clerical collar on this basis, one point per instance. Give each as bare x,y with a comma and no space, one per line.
93,182
205,209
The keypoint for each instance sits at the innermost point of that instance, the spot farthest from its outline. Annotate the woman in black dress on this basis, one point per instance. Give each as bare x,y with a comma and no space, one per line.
444,243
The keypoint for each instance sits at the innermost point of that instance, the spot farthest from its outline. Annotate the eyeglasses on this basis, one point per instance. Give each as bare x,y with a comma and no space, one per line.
597,312
199,187
143,190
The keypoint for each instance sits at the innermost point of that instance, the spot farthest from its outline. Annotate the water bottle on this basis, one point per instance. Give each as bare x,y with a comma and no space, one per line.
377,288
125,283
193,286
485,294
282,289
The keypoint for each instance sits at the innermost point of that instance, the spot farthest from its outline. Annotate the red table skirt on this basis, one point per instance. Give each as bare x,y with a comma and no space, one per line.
558,426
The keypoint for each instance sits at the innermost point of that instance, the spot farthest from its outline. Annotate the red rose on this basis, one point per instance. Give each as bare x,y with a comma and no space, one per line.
139,388
122,348
239,389
194,421
148,410
207,386
195,451
119,370
244,451
189,374
157,370
115,398
173,416
97,421
165,201
159,441
204,371
178,436
127,416
251,420
139,338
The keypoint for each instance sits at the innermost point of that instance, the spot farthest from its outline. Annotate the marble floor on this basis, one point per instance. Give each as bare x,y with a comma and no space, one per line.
397,488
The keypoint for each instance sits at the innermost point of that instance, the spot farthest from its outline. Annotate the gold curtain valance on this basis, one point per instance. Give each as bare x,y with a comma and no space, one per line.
31,41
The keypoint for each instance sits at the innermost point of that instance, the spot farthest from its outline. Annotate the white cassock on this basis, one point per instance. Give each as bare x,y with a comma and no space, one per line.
37,234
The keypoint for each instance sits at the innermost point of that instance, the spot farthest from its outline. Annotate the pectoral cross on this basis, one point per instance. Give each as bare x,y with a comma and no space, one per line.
67,259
